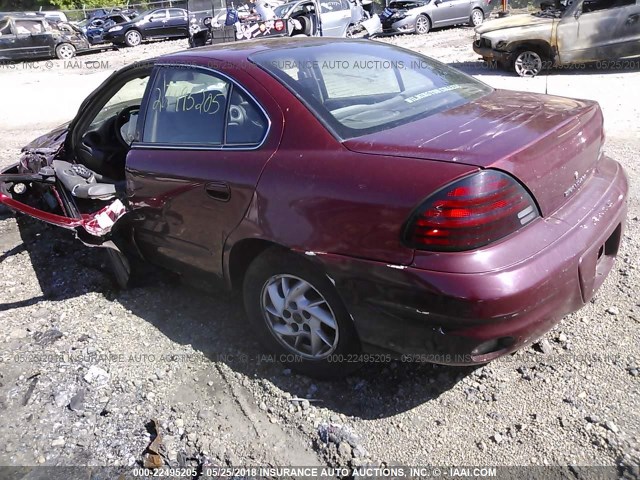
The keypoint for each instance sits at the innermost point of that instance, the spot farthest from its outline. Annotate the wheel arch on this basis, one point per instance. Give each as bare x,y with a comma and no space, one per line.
240,256
539,46
136,29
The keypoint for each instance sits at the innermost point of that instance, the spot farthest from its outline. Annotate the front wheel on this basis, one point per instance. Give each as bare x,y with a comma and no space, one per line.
65,51
477,17
528,63
298,315
423,24
133,38
356,31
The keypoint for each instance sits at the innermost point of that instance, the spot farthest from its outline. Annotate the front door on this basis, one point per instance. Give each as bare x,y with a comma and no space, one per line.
157,25
203,142
595,30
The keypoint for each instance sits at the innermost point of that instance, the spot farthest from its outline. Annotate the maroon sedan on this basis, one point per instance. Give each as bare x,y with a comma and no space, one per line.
359,194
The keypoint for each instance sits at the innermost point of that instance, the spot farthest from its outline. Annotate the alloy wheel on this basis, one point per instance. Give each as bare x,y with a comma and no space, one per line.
422,25
299,317
65,51
528,64
133,38
477,17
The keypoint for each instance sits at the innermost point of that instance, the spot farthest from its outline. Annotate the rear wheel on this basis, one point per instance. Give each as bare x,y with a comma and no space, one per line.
65,51
477,17
528,63
423,24
133,38
298,314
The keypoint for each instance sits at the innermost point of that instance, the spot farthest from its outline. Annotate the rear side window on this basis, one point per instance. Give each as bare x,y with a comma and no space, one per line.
27,27
197,108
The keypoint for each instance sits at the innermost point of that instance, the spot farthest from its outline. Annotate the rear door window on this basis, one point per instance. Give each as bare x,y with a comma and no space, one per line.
200,108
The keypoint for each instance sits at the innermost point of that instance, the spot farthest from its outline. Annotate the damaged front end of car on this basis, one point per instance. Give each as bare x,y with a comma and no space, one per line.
45,187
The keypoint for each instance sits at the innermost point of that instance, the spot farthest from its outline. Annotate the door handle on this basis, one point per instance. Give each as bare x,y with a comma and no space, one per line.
218,191
631,19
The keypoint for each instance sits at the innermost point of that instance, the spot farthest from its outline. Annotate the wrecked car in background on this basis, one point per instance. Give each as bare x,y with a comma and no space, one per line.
298,170
96,28
33,37
311,18
419,16
565,33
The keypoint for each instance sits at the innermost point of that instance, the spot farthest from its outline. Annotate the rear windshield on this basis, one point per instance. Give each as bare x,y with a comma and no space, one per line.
361,87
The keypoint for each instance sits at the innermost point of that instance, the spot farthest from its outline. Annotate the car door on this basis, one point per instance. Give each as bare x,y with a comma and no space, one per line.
628,29
335,16
33,38
49,181
201,148
177,26
597,30
157,24
450,12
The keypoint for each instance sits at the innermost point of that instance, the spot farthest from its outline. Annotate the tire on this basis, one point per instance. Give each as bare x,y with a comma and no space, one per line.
528,62
132,38
306,338
65,51
120,268
476,18
423,25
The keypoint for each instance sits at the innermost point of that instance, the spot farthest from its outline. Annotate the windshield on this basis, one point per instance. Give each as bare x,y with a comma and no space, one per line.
356,88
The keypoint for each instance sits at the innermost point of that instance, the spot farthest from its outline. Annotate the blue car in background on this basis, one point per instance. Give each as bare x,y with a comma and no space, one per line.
97,26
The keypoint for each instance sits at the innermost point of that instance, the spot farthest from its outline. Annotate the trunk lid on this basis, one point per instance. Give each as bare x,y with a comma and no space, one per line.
550,144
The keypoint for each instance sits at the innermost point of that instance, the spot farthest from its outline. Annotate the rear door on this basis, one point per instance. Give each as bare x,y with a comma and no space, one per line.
178,23
203,144
34,38
450,12
335,16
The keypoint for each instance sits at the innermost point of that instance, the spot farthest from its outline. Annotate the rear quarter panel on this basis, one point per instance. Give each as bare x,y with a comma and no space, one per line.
314,195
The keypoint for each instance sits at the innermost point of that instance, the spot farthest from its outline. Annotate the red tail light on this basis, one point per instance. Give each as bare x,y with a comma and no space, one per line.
470,213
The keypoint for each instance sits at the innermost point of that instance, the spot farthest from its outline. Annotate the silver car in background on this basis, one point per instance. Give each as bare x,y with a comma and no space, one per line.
420,16
336,16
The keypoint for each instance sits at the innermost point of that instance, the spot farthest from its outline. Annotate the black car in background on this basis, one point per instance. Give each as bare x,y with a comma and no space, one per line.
154,24
31,37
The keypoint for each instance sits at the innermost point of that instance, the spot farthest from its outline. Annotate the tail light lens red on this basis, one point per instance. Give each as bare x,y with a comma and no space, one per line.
470,213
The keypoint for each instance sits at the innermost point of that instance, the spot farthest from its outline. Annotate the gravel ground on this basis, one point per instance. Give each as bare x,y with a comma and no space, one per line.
89,373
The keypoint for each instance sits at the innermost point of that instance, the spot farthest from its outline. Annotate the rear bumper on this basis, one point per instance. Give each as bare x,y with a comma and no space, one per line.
470,318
